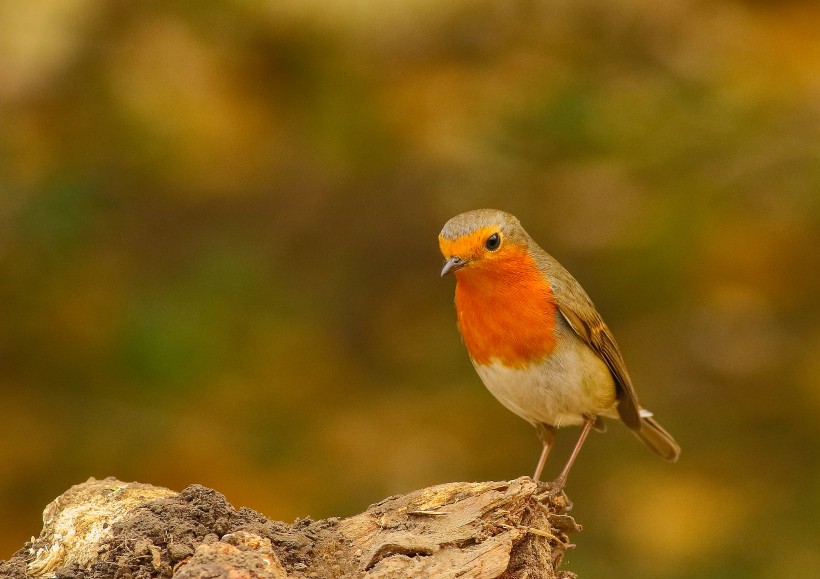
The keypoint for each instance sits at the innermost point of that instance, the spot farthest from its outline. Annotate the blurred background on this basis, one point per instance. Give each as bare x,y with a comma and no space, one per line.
218,255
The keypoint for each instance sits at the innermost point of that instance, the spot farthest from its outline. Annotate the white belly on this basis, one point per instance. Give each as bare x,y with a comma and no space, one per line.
570,384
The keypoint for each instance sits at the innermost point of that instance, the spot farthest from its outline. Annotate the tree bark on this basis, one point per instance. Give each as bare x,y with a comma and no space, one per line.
111,529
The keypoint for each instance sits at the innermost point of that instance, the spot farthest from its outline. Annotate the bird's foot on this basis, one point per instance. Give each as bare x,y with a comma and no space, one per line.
553,493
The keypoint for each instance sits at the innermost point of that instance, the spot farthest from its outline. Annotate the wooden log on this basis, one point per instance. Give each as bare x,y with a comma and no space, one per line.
111,529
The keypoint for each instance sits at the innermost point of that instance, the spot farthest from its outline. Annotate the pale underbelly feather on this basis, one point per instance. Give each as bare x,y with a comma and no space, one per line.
561,389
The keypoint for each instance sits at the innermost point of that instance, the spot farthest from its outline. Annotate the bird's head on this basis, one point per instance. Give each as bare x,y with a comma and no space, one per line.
480,238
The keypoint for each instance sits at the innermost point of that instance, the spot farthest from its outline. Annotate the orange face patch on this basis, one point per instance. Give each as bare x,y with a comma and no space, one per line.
505,306
468,247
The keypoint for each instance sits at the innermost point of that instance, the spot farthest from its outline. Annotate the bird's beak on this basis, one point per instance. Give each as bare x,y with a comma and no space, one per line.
453,264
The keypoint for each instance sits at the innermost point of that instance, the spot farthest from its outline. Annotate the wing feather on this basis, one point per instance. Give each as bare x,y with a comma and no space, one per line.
581,315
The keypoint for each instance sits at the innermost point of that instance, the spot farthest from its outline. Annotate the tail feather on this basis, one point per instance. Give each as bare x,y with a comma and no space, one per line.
655,437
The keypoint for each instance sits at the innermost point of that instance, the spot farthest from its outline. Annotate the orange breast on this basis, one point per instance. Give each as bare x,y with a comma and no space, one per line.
505,310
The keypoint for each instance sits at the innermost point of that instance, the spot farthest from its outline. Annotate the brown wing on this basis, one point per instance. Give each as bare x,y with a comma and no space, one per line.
579,312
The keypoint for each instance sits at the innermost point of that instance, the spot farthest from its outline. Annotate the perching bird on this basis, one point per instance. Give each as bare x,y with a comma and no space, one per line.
535,338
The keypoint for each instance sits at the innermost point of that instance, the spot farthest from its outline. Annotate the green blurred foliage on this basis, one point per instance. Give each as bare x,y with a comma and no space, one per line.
218,257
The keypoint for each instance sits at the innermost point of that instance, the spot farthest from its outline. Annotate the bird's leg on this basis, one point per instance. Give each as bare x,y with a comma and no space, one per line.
546,433
558,484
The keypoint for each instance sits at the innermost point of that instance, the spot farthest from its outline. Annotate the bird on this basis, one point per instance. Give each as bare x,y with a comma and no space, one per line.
535,338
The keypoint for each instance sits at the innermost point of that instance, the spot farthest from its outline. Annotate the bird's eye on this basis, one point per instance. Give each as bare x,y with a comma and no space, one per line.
493,242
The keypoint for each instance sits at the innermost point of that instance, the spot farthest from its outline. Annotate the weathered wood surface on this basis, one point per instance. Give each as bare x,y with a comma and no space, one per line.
111,529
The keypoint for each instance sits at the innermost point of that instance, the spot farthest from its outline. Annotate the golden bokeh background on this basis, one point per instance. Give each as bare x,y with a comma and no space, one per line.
218,256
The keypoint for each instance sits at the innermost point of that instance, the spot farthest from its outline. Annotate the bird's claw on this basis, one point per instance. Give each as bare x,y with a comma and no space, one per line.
559,496
553,493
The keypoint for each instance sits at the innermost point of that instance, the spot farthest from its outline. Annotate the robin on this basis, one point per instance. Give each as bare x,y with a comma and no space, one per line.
535,338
